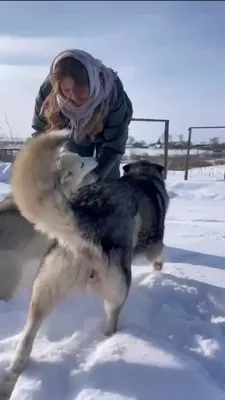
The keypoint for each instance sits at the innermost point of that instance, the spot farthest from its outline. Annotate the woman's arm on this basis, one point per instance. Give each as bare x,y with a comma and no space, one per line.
39,123
115,133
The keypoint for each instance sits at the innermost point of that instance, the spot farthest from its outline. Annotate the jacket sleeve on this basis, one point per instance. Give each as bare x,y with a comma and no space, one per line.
39,123
115,134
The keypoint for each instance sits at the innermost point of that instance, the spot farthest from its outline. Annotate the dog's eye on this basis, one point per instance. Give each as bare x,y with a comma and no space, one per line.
82,165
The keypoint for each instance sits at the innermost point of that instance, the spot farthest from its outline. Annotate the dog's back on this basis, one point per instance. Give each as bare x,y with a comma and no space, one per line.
125,214
105,215
153,201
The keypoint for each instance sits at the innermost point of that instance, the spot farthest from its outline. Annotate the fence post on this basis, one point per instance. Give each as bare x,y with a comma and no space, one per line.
188,153
166,145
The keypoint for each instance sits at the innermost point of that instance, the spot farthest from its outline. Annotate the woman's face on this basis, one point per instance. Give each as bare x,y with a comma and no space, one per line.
77,94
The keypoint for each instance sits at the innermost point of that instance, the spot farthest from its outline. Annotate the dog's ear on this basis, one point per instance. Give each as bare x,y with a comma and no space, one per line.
159,168
127,167
66,176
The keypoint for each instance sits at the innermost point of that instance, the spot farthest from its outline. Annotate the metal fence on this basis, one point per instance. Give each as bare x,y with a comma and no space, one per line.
166,138
190,130
8,154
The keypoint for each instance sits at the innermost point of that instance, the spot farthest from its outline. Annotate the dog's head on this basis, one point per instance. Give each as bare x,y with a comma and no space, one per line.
72,169
143,169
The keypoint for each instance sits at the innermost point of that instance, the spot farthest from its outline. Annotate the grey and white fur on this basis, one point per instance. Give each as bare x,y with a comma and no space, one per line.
96,231
22,248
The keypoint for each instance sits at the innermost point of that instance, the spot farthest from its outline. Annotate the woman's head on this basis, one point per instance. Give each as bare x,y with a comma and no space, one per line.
70,80
81,87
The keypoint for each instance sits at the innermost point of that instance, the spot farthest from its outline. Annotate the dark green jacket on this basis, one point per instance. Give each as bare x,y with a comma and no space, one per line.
109,144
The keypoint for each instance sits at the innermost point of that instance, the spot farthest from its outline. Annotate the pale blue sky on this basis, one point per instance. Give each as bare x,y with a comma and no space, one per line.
170,56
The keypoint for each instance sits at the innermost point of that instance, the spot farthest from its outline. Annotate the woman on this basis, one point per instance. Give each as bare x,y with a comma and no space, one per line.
84,95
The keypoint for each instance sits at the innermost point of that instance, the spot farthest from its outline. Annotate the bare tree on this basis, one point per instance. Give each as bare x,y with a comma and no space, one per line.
9,133
162,138
181,138
130,140
8,139
214,140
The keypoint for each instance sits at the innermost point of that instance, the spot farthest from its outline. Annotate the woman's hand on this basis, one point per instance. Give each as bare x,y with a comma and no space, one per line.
91,177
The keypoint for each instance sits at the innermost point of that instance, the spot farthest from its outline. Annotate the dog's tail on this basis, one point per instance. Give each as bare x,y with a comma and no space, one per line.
34,177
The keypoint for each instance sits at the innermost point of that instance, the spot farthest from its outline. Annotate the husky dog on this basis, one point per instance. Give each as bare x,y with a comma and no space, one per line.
22,248
95,232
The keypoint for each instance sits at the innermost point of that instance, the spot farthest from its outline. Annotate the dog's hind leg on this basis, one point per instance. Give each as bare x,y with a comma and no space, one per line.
113,308
52,284
159,263
113,288
155,255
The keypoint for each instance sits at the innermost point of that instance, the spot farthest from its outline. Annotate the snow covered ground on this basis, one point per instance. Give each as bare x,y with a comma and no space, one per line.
171,152
171,339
